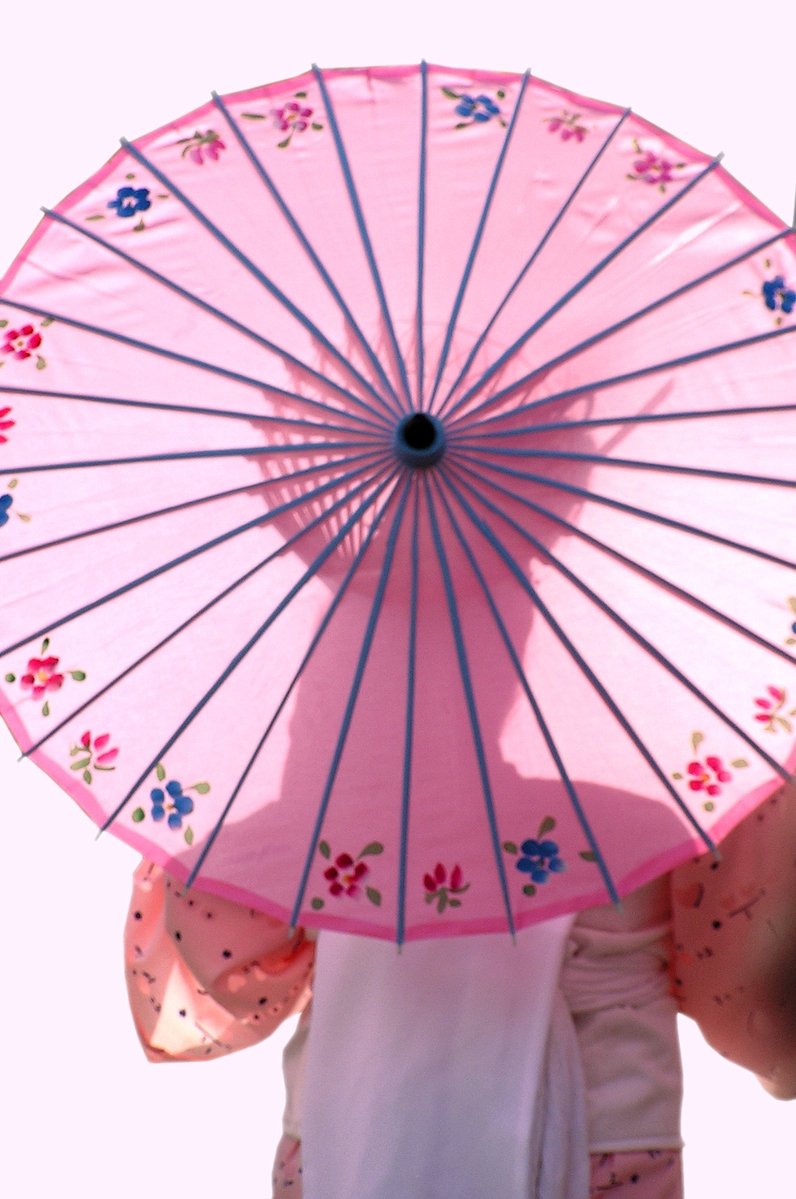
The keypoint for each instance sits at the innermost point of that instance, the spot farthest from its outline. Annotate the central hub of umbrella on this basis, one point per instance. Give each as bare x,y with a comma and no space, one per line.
420,439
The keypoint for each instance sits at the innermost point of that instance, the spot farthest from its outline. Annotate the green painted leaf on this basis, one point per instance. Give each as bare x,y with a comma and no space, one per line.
3,324
547,826
677,776
45,645
373,895
511,847
791,599
188,835
375,847
253,116
48,320
200,788
588,855
739,763
46,709
160,771
78,675
11,678
316,125
300,95
86,776
130,175
501,95
24,517
446,91
283,145
696,740
139,228
709,806
11,484
138,815
529,889
430,897
462,125
81,765
100,216
324,849
455,903
316,904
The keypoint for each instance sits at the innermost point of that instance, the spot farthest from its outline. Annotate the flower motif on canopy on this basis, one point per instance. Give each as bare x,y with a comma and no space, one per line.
201,147
44,676
653,168
93,753
5,424
20,343
476,110
708,775
345,875
771,714
442,888
537,857
7,504
567,125
129,201
169,802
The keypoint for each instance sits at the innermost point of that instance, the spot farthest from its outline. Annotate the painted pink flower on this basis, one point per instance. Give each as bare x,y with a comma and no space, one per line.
771,710
20,343
567,126
104,755
4,424
345,875
706,776
651,168
293,116
202,146
42,676
440,887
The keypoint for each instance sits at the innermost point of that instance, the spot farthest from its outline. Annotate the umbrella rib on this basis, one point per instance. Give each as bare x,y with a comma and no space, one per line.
472,711
634,464
544,727
594,422
342,737
591,274
338,596
638,637
204,305
196,410
499,548
184,359
156,571
359,216
603,334
198,707
524,271
780,651
645,514
255,271
613,380
477,238
184,504
288,448
409,718
309,249
421,237
221,595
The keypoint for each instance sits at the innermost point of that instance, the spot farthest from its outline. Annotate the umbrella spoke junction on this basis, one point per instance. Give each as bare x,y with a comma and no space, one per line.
472,709
568,295
527,690
395,406
207,607
276,612
479,232
367,245
638,637
551,228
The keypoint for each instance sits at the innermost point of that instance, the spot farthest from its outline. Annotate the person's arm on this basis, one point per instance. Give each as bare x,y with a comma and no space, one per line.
735,944
205,976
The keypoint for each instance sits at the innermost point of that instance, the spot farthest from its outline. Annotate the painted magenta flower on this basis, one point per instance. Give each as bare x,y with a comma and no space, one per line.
772,714
567,125
778,296
294,117
20,344
441,889
202,146
653,169
130,200
707,775
93,754
4,423
42,676
345,874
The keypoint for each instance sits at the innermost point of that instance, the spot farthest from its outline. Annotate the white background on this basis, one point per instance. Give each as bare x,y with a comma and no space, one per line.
84,1113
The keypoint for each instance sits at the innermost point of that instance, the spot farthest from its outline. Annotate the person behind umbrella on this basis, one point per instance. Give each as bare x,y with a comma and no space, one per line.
710,940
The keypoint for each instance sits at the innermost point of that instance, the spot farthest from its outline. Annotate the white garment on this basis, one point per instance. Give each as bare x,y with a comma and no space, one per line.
428,1072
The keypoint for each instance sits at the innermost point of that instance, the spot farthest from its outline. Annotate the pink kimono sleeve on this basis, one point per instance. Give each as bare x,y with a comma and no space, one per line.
206,977
735,943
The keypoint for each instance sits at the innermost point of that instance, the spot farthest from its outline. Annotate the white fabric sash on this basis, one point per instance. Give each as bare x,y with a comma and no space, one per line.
428,1071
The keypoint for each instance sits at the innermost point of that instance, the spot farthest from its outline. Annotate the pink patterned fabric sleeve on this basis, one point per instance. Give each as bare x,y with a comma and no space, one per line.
206,977
735,943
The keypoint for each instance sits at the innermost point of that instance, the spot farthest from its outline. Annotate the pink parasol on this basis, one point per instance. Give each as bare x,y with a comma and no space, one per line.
396,499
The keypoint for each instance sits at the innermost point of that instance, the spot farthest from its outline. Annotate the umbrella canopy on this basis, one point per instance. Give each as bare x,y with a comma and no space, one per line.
396,499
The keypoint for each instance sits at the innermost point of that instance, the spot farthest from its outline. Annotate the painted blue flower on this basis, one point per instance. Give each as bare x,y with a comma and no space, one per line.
778,295
130,200
540,859
5,503
477,108
172,799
